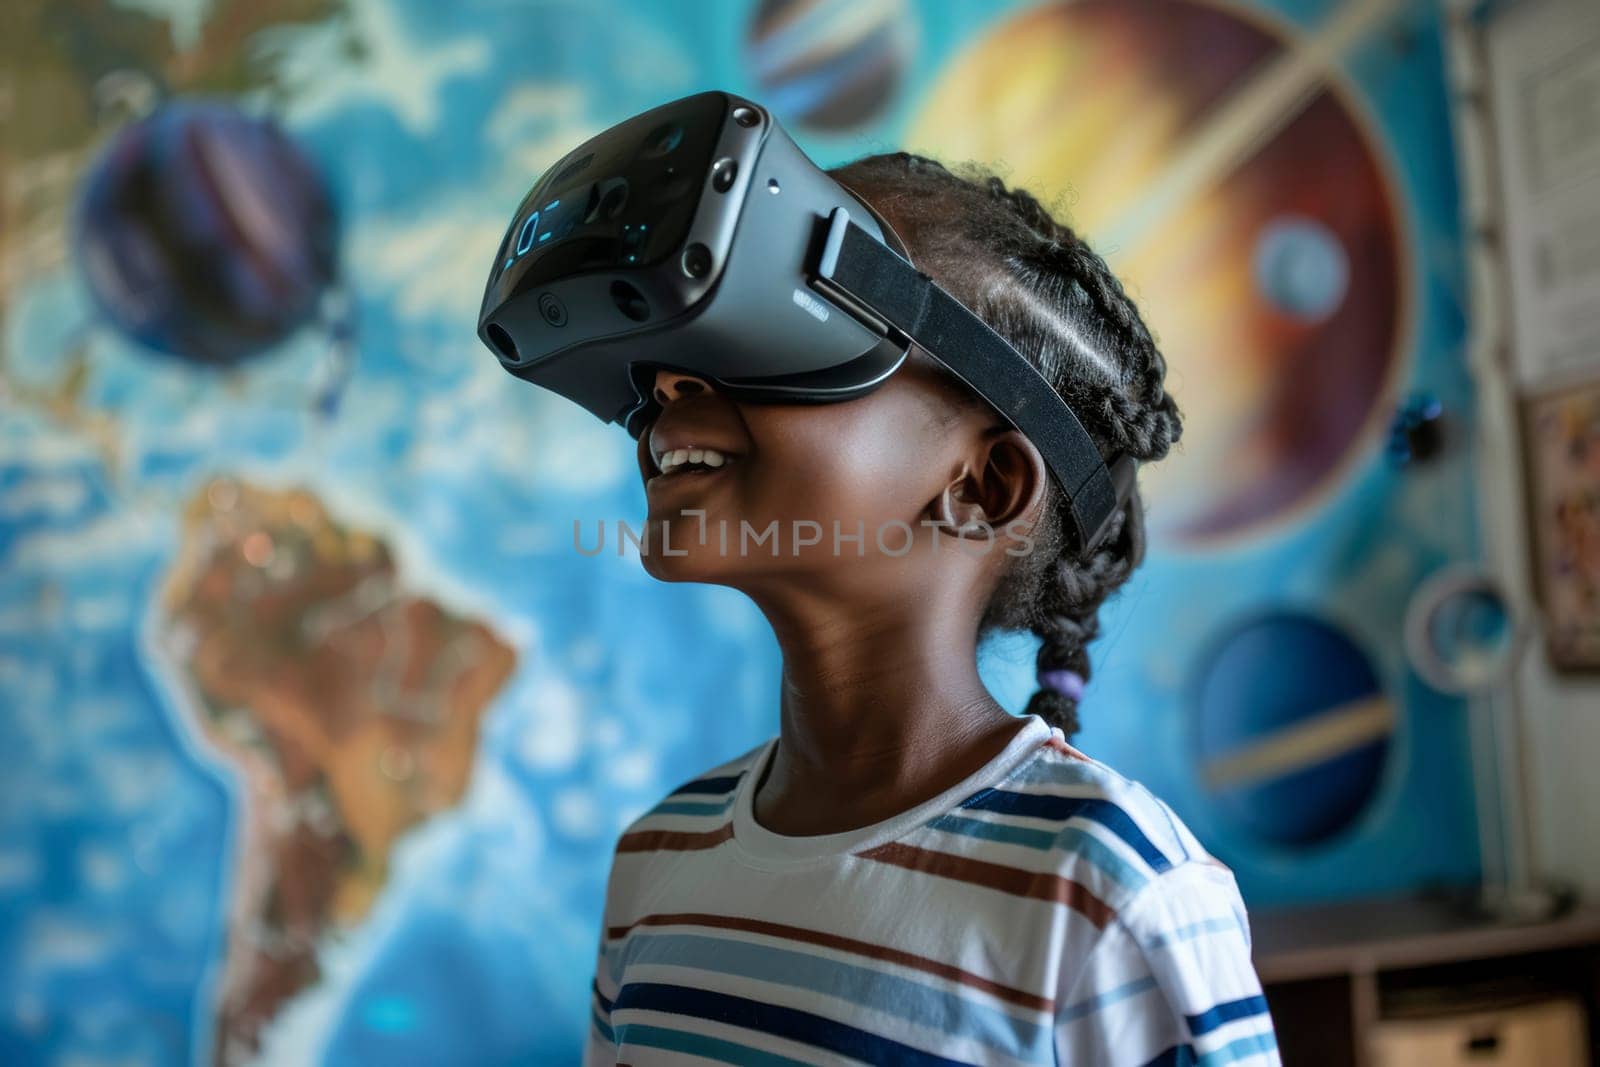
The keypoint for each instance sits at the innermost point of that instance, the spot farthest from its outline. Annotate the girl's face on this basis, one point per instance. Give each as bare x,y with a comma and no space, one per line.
820,490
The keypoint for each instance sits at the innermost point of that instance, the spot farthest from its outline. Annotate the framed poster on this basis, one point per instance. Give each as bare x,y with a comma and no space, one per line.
1563,448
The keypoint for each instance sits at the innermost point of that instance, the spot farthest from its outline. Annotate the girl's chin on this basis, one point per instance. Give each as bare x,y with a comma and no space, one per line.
677,529
673,550
695,565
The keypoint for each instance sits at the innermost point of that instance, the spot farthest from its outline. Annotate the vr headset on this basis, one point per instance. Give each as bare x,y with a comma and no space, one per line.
698,237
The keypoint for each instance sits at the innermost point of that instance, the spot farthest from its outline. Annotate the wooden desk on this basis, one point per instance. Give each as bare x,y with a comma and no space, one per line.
1331,972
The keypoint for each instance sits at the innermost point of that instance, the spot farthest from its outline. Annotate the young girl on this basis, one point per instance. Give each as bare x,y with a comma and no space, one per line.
908,873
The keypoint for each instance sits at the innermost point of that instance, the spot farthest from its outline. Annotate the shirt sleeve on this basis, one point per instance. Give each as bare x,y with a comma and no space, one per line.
600,1046
1169,981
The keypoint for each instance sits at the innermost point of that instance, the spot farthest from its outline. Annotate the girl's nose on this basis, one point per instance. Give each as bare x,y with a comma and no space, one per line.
674,385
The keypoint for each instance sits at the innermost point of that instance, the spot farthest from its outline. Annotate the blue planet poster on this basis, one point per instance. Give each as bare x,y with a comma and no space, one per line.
318,730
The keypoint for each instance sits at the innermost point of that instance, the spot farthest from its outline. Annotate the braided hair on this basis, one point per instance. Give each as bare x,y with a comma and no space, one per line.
1038,285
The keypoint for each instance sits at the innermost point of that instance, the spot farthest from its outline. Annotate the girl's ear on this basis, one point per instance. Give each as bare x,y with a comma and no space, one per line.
1004,483
956,510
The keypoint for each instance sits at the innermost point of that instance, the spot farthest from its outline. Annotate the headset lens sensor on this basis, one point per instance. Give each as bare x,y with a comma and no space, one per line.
663,139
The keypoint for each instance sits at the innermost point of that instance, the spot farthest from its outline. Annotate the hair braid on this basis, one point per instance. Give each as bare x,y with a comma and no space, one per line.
1037,284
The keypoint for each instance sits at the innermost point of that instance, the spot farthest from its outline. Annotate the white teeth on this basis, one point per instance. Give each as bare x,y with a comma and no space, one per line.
677,457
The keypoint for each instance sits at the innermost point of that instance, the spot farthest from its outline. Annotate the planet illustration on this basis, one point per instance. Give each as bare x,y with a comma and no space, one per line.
1291,728
205,233
1233,185
1301,268
829,64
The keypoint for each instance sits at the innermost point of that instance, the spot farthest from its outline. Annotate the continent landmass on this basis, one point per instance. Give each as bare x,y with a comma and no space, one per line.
349,707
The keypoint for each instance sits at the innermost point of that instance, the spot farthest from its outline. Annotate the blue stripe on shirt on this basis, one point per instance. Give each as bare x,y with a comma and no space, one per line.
1233,1052
710,1048
723,784
690,807
789,1023
918,1002
1059,809
1068,839
1228,1012
1177,1056
602,1026
1194,930
1105,1000
1243,1048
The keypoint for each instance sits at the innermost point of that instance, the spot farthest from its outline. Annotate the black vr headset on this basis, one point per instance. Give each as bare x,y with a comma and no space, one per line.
698,237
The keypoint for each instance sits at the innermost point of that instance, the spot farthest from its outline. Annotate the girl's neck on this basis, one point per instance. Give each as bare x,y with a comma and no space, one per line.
881,708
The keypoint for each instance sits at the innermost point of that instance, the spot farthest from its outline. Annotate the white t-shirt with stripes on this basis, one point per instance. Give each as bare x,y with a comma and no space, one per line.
1043,910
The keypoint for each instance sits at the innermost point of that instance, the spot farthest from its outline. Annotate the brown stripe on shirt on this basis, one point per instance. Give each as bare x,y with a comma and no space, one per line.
847,944
673,840
1036,884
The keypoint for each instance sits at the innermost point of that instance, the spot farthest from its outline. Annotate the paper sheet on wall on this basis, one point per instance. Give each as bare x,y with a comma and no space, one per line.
1544,60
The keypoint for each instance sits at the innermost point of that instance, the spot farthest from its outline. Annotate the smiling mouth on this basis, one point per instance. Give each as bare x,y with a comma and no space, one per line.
686,463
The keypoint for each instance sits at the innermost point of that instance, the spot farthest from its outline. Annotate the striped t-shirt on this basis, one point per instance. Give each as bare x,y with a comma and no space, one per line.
1043,910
